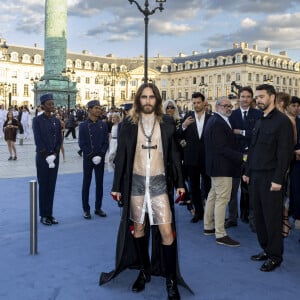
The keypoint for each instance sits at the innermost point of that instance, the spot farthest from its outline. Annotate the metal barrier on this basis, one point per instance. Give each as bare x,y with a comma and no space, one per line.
33,217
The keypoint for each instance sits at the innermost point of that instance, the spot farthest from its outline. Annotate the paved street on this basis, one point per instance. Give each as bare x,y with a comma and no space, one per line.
25,165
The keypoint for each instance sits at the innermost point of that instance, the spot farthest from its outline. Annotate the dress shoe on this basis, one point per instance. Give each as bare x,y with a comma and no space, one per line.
173,293
53,220
46,221
196,218
209,231
100,213
142,279
260,256
87,215
270,265
230,223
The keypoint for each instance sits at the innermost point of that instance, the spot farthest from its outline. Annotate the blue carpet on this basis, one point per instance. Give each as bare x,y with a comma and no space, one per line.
71,255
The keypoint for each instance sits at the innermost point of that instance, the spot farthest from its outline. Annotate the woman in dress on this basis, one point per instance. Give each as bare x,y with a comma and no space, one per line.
115,119
10,133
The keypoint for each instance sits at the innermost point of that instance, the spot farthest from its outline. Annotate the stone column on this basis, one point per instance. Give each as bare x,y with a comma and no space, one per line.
55,54
55,38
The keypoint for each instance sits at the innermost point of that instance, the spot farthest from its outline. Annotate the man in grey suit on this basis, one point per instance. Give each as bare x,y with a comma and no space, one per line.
223,162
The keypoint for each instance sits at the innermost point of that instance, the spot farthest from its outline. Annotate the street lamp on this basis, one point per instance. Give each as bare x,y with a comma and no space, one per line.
6,88
4,49
146,12
235,88
203,87
66,74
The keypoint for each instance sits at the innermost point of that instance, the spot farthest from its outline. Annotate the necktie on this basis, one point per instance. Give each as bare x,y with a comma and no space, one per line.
245,115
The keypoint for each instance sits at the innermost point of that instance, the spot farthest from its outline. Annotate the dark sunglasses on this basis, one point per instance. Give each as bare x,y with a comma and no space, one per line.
170,107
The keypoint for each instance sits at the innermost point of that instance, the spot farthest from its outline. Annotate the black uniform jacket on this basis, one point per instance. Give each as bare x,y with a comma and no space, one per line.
126,256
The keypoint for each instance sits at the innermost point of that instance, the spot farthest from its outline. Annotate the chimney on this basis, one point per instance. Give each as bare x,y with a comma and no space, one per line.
255,47
208,50
195,52
267,50
284,53
235,45
243,45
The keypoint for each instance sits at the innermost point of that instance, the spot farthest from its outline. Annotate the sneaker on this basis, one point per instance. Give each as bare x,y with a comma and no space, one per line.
227,241
297,224
10,158
208,231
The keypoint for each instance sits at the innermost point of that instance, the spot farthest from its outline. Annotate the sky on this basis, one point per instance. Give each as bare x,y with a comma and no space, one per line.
115,26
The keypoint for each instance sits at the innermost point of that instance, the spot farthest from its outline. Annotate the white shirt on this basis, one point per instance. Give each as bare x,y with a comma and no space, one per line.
200,124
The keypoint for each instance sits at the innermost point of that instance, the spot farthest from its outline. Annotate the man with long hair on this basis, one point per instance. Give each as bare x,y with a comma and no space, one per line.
147,166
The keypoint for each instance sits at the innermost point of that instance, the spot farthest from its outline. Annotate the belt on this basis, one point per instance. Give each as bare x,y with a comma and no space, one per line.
114,137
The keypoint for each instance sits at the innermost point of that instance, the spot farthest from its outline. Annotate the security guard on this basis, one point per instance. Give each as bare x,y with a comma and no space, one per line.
93,141
47,136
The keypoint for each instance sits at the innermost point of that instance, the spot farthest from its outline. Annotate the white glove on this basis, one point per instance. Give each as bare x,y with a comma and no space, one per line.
50,160
96,160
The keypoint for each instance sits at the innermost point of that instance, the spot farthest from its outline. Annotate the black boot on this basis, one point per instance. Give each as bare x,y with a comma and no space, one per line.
171,278
145,273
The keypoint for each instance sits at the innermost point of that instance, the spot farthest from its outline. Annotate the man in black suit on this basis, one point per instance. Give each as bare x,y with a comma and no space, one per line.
194,153
223,162
242,121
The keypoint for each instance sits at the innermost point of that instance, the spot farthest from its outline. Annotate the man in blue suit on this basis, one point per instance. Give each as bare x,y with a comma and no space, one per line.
242,121
93,141
48,138
223,162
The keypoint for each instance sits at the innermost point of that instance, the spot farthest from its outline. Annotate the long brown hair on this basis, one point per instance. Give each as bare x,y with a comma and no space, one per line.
137,107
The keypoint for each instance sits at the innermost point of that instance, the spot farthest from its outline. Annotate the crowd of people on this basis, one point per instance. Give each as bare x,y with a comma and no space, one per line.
224,166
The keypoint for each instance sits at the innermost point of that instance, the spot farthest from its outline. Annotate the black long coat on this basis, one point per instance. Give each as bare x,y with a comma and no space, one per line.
126,256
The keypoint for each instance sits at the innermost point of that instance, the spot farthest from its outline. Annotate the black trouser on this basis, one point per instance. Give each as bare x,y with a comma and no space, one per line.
268,208
71,130
193,173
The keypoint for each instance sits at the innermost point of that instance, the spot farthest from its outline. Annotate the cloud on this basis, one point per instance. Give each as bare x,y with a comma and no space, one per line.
247,23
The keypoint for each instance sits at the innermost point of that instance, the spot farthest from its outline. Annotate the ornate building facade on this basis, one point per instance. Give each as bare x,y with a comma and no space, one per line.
114,81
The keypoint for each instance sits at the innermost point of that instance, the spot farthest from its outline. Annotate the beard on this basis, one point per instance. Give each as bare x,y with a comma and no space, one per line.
147,109
262,106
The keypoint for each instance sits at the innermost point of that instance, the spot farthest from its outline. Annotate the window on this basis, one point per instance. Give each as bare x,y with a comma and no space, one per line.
194,80
284,81
26,59
249,76
87,65
133,83
87,80
228,77
26,75
257,77
14,89
296,82
132,95
164,83
238,77
122,83
78,64
25,91
37,59
180,67
179,82
219,78
122,95
87,95
278,80
164,95
290,81
78,79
